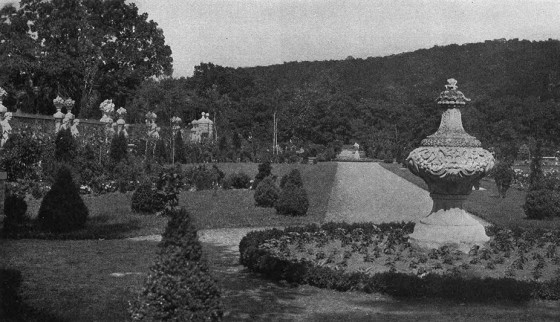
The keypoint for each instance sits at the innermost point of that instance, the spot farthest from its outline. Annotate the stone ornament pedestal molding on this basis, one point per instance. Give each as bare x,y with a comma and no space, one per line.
450,161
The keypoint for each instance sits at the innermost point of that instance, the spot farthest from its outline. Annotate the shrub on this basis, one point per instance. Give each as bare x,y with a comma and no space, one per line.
88,163
203,178
293,178
160,151
15,208
267,193
63,209
65,146
265,170
146,200
524,152
536,175
292,201
503,176
179,286
542,204
238,180
180,153
19,155
118,148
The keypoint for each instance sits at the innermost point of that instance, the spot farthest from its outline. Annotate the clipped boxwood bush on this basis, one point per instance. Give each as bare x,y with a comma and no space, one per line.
63,209
179,286
146,200
255,254
66,148
267,193
292,201
293,178
542,204
237,180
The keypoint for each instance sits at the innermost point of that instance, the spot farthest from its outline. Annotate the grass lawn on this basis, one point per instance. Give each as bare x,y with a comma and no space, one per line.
504,212
72,279
236,208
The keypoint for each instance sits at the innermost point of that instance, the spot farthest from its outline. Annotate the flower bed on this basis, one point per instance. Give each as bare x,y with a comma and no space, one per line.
516,265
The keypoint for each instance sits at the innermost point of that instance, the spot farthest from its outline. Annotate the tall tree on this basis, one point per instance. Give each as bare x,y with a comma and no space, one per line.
80,47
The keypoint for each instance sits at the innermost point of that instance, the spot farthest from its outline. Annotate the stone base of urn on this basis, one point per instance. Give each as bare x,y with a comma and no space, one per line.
448,225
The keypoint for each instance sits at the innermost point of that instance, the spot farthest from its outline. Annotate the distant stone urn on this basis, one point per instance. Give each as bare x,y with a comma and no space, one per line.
451,162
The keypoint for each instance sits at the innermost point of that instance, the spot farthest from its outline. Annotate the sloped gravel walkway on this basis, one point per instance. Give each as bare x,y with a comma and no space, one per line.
366,192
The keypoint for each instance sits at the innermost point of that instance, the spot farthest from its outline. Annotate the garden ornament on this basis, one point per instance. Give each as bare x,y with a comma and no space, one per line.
451,162
6,128
74,128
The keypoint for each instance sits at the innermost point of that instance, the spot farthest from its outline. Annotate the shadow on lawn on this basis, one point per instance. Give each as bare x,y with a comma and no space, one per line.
12,307
247,296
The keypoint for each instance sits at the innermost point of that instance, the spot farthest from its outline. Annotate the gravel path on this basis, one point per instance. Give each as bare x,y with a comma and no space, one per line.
367,192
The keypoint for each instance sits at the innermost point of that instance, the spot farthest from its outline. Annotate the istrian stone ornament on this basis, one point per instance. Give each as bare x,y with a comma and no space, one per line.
450,161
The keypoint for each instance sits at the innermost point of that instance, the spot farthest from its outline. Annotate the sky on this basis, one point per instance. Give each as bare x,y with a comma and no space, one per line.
242,33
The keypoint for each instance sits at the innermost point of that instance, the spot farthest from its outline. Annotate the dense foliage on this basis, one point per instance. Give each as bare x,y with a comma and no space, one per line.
66,148
267,192
503,176
145,199
237,180
292,201
265,170
118,149
15,209
84,49
20,156
179,286
293,178
63,209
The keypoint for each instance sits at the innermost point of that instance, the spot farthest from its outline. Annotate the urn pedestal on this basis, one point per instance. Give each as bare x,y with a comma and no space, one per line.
451,162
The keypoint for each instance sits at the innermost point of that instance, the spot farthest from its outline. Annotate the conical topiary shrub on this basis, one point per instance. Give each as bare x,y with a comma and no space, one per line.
62,209
179,286
266,193
292,201
292,179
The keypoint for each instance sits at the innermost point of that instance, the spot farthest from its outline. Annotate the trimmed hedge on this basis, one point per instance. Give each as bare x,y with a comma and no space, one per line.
258,259
179,286
293,178
238,180
267,193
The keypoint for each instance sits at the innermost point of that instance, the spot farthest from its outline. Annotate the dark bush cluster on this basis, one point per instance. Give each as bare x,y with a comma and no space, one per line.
265,170
543,198
63,209
267,192
503,176
179,286
204,178
237,180
66,148
19,155
293,199
453,287
146,199
15,209
118,149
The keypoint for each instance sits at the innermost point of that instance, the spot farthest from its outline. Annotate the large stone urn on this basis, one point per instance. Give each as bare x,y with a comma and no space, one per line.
450,161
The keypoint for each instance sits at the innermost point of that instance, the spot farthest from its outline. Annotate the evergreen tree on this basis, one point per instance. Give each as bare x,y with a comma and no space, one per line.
118,150
180,153
179,286
63,209
65,146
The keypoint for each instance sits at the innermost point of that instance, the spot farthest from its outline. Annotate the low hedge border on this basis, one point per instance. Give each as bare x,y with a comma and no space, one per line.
402,285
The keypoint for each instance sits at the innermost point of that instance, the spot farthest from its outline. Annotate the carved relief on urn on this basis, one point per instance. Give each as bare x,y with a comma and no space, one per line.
450,161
